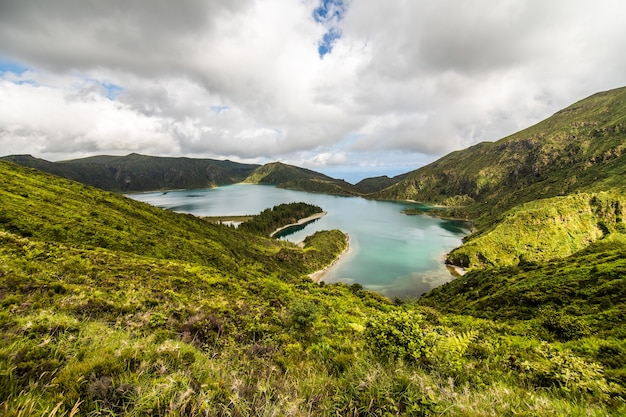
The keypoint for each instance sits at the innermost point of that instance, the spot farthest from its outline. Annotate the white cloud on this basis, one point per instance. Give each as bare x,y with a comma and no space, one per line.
405,83
44,120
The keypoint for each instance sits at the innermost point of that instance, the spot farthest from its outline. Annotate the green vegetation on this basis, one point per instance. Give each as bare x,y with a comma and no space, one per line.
270,220
579,300
142,173
545,229
288,176
112,307
376,184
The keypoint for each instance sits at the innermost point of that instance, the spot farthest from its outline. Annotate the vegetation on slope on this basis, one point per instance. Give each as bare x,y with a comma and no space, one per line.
289,176
545,229
142,173
376,184
580,299
167,314
580,148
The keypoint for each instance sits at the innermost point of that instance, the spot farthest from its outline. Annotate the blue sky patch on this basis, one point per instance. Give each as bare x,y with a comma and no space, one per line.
325,46
329,10
218,109
329,13
7,65
111,91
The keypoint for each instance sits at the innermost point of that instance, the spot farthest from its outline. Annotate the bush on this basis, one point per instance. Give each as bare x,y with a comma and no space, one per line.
549,367
564,327
304,312
397,336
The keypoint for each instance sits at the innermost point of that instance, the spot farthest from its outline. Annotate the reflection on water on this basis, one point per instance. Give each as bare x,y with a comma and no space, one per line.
288,231
455,226
395,254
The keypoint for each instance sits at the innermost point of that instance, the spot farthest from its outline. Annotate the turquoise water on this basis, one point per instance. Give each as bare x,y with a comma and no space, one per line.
390,252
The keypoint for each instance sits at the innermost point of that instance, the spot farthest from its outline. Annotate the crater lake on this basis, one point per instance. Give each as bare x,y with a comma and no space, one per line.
395,254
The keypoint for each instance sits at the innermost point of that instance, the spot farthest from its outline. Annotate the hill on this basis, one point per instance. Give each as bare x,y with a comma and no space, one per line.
376,184
110,306
289,176
136,172
580,148
536,194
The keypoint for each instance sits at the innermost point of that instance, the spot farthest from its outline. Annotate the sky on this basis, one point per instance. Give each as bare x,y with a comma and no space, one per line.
350,88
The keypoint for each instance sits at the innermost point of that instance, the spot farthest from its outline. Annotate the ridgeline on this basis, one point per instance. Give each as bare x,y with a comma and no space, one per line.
134,172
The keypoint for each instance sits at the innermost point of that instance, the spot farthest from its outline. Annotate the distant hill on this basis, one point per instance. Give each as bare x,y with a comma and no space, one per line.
136,172
580,148
376,184
289,176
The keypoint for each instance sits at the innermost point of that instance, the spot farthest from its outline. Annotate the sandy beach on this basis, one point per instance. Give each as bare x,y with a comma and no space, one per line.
317,276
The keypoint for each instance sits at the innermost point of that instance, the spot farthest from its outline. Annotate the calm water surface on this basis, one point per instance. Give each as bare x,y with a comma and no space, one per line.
392,253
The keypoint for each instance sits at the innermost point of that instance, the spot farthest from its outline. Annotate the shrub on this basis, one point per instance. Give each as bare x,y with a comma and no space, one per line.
549,367
304,312
564,327
397,335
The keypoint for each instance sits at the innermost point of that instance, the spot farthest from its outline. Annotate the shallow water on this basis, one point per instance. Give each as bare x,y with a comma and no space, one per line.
392,253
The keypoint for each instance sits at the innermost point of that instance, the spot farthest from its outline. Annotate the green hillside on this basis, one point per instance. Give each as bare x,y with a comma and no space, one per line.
533,195
376,184
545,229
289,176
580,148
579,300
112,307
136,172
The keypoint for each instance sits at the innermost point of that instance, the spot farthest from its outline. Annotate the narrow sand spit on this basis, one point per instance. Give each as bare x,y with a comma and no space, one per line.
300,222
317,276
455,270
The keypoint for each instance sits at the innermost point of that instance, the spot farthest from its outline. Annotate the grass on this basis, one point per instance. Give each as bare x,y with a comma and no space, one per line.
543,230
579,149
112,307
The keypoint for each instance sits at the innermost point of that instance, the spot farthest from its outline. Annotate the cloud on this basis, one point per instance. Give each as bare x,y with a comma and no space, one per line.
325,83
44,120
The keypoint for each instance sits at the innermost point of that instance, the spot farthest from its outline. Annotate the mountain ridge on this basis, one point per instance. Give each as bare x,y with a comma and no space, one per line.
566,152
289,176
135,172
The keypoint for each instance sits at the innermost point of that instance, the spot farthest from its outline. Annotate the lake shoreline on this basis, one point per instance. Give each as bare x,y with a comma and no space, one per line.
300,222
389,248
455,270
318,275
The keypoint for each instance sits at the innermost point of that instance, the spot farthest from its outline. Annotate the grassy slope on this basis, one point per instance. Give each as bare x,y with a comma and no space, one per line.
142,173
544,229
580,148
376,184
110,306
289,176
572,298
588,283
